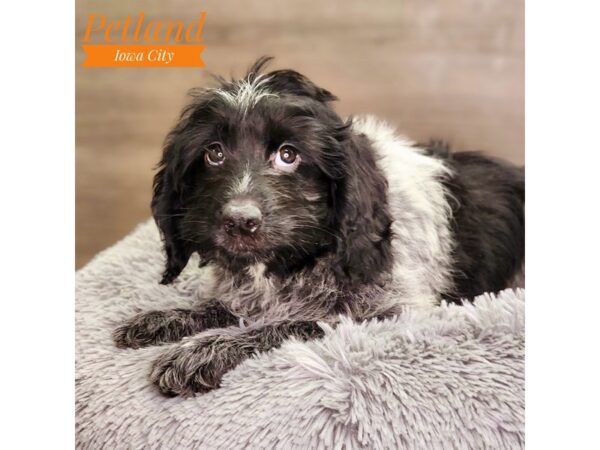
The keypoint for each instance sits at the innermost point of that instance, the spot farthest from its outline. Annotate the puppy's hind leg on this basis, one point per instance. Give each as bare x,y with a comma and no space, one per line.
159,327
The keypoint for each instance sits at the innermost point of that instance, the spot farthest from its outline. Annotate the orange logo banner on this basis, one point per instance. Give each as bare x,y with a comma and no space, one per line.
179,55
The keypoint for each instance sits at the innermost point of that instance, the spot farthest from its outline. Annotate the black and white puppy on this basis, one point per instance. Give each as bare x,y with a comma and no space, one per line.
300,216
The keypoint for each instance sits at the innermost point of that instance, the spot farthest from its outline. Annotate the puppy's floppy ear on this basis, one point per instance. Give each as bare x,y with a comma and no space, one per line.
362,217
167,211
289,82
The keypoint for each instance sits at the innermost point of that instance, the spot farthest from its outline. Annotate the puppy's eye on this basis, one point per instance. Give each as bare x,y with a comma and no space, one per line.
214,154
286,158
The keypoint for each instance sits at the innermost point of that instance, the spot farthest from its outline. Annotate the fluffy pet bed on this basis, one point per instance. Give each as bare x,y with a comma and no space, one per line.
449,378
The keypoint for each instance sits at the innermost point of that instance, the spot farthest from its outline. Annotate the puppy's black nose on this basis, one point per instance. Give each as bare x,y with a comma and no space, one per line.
241,216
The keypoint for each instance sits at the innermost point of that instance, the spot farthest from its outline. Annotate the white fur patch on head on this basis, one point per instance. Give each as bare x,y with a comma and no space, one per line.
243,184
312,196
247,93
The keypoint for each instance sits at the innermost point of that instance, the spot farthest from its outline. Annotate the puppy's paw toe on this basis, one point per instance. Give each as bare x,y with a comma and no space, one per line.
141,331
186,370
170,381
124,338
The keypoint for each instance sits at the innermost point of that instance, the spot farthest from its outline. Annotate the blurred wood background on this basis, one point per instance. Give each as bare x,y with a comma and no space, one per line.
451,69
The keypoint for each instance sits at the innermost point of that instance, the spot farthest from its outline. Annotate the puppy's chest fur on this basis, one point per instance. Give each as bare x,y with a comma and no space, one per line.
310,294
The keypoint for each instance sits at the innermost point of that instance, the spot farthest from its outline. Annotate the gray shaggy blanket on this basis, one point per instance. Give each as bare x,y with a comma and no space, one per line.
449,378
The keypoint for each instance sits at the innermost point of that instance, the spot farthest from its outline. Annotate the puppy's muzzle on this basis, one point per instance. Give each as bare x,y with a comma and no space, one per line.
241,217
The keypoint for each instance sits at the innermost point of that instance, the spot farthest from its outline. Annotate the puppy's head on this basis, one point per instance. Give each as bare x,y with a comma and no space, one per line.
263,170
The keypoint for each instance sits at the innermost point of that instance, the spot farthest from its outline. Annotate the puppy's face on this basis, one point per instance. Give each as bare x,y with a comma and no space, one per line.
263,170
257,191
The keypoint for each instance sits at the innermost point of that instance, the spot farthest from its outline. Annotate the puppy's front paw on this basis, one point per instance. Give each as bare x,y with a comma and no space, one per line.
154,327
197,365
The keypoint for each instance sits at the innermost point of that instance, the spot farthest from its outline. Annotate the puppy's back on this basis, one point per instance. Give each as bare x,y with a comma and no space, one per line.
459,224
487,197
